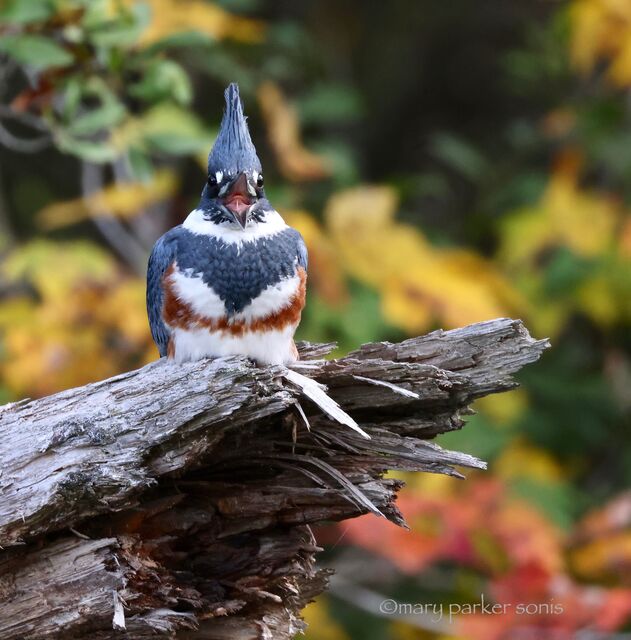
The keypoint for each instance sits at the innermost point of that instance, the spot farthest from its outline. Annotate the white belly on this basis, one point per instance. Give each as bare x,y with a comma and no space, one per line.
192,290
268,347
203,337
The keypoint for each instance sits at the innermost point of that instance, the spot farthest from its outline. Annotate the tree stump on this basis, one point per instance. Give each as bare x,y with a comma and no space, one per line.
175,501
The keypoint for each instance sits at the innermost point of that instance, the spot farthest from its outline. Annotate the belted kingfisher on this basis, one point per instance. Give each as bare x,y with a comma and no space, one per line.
231,279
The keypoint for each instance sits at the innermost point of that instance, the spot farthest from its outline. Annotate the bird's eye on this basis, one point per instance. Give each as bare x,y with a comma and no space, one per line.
259,181
212,181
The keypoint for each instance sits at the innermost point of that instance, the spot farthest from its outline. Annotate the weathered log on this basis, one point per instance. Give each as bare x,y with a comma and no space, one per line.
175,501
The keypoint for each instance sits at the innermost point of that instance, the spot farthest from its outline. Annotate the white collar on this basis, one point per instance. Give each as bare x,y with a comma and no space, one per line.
232,234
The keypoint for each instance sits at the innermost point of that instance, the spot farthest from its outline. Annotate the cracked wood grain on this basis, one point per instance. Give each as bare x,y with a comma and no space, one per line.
175,501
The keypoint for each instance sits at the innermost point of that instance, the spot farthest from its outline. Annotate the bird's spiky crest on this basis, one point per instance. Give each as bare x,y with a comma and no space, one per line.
233,150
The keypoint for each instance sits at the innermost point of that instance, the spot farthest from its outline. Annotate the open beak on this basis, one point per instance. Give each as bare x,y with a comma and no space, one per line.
238,200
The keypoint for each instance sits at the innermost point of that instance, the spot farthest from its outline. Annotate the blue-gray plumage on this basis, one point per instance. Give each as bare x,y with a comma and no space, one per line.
233,150
231,278
161,258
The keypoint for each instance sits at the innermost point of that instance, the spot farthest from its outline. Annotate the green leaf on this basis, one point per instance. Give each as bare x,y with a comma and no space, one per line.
459,155
140,164
163,79
565,272
558,500
176,144
72,97
92,151
479,438
168,128
107,112
330,104
21,12
122,31
36,51
340,158
103,117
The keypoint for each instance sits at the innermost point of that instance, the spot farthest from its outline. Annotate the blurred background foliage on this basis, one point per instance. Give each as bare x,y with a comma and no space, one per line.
446,162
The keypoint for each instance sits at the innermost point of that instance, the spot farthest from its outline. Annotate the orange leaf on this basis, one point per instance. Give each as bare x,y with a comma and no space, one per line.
295,161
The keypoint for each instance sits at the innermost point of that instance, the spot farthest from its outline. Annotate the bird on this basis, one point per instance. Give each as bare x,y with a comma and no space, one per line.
231,279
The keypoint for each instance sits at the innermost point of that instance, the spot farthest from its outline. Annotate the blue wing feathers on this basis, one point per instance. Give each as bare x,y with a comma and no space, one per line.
162,257
303,258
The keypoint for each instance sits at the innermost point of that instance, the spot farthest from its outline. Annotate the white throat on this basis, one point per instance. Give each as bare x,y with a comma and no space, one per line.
233,234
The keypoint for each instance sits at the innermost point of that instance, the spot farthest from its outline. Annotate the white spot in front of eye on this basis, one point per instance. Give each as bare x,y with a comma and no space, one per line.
251,188
219,176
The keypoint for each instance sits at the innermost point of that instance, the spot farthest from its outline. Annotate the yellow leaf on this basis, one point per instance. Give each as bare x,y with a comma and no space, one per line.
474,267
401,630
566,216
294,160
588,31
365,207
428,287
86,322
14,312
605,558
55,268
321,625
406,308
126,310
524,233
435,295
547,315
624,243
430,484
620,70
591,225
419,283
120,199
504,407
325,272
601,31
169,17
584,222
372,247
598,301
521,460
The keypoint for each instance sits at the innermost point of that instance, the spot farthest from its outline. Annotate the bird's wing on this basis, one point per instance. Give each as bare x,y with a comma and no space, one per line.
161,258
303,256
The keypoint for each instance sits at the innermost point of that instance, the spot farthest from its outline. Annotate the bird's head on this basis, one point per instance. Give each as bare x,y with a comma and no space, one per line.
234,193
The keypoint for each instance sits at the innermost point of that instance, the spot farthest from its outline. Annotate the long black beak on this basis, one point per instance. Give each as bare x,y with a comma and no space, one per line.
238,199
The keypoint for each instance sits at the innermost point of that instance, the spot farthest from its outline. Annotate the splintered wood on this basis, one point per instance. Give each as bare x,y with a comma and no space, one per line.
175,501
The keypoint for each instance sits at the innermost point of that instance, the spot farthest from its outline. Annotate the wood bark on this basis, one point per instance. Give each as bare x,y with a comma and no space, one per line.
175,501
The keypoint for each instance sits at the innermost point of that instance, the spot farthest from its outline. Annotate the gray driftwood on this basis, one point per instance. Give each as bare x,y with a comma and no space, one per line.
175,501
